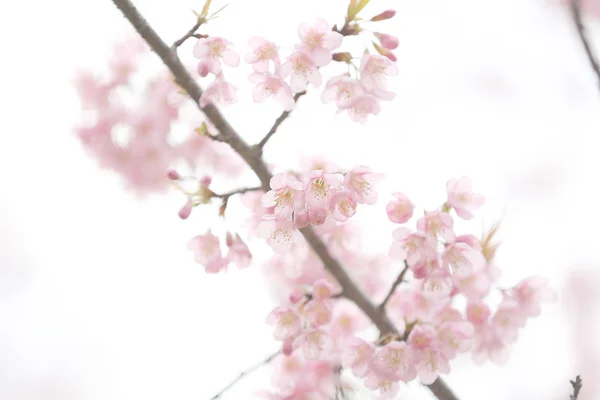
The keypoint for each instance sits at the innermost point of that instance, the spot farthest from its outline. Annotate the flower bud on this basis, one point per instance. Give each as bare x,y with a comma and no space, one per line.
384,15
186,210
389,42
173,175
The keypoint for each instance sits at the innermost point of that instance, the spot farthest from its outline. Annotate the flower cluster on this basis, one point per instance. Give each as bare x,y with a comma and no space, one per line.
319,198
207,252
134,137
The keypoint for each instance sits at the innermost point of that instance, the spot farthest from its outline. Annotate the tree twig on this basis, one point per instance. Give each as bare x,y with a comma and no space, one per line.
237,191
252,156
245,373
278,122
577,384
190,33
577,18
397,282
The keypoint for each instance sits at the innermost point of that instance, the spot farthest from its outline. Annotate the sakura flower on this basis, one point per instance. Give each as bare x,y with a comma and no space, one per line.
322,290
356,354
342,205
317,216
303,70
318,41
478,312
269,85
361,183
414,247
238,251
280,234
455,337
219,92
530,293
437,223
438,285
362,106
301,219
431,363
461,198
317,313
320,187
422,336
286,195
211,51
343,90
315,344
394,361
474,286
286,322
263,51
508,319
207,251
386,388
400,209
489,344
387,41
464,260
374,70
346,320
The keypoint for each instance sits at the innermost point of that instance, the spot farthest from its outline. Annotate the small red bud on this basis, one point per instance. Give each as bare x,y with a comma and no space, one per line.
173,175
186,210
384,15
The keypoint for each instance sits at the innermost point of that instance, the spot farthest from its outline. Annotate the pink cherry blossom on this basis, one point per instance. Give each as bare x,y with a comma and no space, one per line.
438,284
219,92
437,223
269,85
286,195
356,355
374,71
343,90
508,319
238,253
400,209
314,343
431,363
263,51
488,344
361,183
317,313
301,219
422,337
387,41
318,41
207,251
346,320
286,322
303,70
342,205
361,107
395,361
461,198
463,259
317,216
455,337
280,234
320,187
474,286
386,388
322,290
478,312
414,247
530,293
211,52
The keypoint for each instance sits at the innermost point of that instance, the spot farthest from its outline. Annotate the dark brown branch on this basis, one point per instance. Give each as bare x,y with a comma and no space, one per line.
577,384
190,33
577,18
398,281
278,122
245,373
251,156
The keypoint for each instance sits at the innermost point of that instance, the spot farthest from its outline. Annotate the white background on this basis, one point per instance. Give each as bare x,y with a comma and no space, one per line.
99,298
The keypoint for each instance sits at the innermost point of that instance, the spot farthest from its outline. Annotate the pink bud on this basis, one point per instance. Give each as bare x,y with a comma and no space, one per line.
229,239
186,210
300,219
387,41
205,180
384,15
391,56
322,289
202,69
173,175
288,347
296,296
317,216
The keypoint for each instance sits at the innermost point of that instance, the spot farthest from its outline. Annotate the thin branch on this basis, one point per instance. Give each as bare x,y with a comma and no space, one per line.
237,191
245,373
577,18
190,33
252,157
278,122
398,281
577,384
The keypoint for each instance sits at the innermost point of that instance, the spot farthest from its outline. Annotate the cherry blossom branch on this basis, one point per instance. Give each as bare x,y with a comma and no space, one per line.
227,195
252,157
577,18
397,282
278,122
190,33
245,373
577,384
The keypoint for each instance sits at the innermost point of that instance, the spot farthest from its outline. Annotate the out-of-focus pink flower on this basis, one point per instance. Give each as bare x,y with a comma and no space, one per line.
286,322
361,107
211,52
207,251
389,42
361,182
461,198
386,388
400,209
414,247
395,361
437,223
315,344
455,337
530,293
219,92
317,313
356,354
318,41
431,363
238,251
280,234
374,71
263,51
463,259
343,90
303,70
269,85
322,290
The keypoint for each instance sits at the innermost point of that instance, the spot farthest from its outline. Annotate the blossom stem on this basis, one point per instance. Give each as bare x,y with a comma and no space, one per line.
245,373
284,115
577,384
397,282
237,191
190,33
252,156
577,18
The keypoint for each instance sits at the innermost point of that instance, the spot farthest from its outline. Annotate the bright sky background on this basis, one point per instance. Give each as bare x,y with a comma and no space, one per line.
99,298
